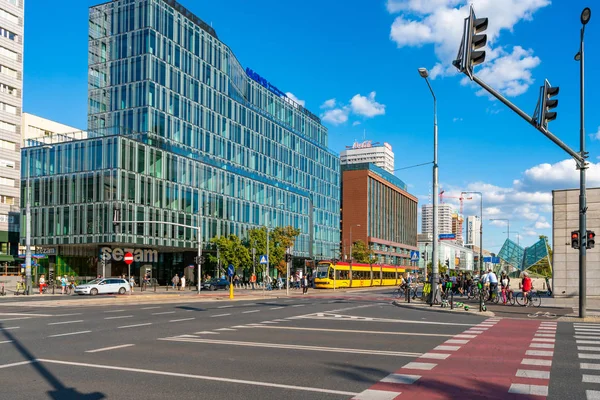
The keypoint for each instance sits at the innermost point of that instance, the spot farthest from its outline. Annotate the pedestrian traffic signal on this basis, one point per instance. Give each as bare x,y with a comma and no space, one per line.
548,103
288,258
473,39
575,242
590,239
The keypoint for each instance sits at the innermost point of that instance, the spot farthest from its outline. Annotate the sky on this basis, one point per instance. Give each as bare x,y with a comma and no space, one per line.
354,63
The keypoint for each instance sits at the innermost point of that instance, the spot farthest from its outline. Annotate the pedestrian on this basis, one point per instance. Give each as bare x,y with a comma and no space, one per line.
504,284
305,284
253,280
493,280
42,283
63,284
175,281
131,282
183,282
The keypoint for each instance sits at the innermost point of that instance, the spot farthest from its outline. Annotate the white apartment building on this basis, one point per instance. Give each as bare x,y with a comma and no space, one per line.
11,103
35,127
368,152
444,218
473,228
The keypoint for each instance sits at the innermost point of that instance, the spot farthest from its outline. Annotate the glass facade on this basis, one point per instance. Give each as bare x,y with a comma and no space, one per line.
179,132
521,258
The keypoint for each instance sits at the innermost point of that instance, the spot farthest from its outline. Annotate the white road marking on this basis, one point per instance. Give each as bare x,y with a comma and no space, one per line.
535,361
589,356
296,347
70,333
420,365
536,390
164,312
133,326
454,341
120,316
367,319
201,377
276,308
293,328
6,341
592,394
372,394
224,306
149,308
110,348
541,345
9,328
219,315
17,364
478,328
181,320
65,322
465,336
435,356
65,315
298,305
447,348
539,353
205,333
543,340
528,373
401,378
588,342
544,335
577,330
588,348
591,378
589,366
579,336
251,311
225,329
111,311
14,319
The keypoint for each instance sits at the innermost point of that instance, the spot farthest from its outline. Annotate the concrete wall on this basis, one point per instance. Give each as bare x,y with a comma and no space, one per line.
565,218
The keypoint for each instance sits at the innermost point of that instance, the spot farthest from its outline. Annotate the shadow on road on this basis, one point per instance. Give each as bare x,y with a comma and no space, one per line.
60,392
358,373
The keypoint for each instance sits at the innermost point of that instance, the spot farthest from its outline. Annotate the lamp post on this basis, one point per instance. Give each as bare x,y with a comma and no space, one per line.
507,224
200,233
480,227
518,237
434,245
28,223
352,226
585,18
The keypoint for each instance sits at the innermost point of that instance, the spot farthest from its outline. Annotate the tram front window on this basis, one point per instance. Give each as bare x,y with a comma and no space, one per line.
322,271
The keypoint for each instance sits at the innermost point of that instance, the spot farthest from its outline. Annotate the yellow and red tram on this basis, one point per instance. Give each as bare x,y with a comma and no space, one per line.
344,275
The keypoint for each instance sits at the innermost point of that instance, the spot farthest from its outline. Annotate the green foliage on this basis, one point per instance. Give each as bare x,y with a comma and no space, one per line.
361,252
232,251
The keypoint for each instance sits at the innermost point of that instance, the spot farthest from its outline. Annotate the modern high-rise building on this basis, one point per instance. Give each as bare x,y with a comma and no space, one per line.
368,152
179,135
11,103
457,227
378,210
444,218
473,227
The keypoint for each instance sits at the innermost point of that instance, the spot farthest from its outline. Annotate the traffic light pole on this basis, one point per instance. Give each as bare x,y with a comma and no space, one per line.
582,191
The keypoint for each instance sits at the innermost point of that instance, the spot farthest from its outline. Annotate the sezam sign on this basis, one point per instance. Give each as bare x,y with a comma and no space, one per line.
139,255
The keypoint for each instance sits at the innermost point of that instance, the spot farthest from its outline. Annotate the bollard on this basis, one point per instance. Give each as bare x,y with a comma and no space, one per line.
451,299
408,293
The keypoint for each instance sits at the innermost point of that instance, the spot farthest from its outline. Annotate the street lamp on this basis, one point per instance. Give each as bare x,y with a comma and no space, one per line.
28,223
351,241
507,223
518,235
200,233
434,247
480,227
585,18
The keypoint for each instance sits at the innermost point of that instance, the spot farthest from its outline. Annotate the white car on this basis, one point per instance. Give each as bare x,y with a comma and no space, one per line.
104,285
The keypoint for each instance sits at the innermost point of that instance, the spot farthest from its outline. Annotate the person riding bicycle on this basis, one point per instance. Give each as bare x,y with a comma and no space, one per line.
505,285
42,283
527,285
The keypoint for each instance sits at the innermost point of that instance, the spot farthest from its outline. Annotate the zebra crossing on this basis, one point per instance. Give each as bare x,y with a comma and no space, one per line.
587,339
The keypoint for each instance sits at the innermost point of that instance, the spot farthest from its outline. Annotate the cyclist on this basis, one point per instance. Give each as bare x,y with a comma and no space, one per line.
505,285
526,285
42,283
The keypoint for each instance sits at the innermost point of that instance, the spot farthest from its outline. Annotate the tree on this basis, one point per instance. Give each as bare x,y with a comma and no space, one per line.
361,253
280,238
232,251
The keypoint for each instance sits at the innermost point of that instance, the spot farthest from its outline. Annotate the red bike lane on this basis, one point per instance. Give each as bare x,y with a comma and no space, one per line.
497,359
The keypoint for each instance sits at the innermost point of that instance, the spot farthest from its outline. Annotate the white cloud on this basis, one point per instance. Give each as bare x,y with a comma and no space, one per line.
328,103
596,136
336,116
366,106
561,175
542,225
440,23
297,100
456,119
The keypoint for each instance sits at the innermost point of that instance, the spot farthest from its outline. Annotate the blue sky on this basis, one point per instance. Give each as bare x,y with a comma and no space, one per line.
365,55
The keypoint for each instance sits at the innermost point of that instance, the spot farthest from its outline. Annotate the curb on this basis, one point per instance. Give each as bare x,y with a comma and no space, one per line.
443,310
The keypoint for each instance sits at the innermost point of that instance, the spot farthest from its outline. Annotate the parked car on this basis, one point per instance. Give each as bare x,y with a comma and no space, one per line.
103,286
215,284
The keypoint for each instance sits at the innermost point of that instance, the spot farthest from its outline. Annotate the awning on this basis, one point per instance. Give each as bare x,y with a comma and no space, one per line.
6,258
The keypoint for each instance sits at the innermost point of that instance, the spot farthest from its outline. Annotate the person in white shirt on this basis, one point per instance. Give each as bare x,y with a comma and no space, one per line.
493,281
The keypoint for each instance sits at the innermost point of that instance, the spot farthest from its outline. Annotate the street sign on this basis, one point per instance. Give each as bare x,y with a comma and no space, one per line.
495,260
447,236
264,259
128,258
230,270
487,259
414,255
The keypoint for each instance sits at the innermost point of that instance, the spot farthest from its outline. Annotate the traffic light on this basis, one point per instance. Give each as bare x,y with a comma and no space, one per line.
575,240
590,242
447,263
473,39
288,258
548,103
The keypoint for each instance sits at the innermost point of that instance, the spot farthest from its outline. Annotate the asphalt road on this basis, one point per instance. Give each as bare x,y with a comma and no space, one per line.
297,348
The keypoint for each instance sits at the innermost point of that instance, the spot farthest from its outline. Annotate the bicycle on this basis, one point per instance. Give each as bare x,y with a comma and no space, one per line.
533,299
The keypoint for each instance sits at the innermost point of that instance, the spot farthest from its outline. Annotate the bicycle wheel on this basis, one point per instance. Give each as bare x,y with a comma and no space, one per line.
535,299
520,299
496,297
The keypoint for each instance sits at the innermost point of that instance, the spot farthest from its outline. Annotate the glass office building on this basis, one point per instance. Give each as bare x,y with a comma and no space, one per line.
178,132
